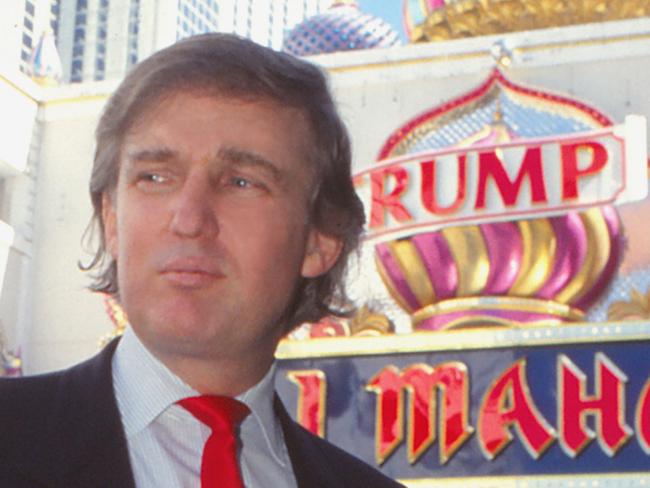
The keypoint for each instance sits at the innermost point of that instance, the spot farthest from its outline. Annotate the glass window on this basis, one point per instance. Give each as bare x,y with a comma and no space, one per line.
76,71
29,7
27,40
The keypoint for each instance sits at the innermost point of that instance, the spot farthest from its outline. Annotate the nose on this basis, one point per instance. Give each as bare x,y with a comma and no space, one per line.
192,213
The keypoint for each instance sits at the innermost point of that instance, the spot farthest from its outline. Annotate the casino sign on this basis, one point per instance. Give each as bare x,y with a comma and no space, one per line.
493,226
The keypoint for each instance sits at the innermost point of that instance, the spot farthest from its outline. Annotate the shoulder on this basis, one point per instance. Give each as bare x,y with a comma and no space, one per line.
30,422
42,403
20,397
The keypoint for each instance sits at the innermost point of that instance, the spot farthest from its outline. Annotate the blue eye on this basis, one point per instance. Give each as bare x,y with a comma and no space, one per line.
241,182
153,177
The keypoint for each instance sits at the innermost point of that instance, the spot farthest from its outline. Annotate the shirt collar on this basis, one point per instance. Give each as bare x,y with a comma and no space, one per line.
143,396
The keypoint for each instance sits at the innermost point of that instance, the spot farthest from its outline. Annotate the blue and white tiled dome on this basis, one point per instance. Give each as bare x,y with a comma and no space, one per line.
342,28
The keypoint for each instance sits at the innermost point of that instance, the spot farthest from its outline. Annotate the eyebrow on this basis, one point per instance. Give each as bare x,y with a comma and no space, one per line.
242,157
232,155
159,154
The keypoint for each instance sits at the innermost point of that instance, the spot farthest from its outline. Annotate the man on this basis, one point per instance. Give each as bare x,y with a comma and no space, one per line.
221,186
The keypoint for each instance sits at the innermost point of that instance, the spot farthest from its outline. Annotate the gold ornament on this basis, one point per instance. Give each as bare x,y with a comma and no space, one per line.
470,18
638,308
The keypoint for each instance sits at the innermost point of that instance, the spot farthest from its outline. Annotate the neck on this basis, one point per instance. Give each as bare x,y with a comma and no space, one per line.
218,376
229,371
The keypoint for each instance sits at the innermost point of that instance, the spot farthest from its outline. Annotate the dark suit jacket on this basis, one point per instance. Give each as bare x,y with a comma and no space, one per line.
64,430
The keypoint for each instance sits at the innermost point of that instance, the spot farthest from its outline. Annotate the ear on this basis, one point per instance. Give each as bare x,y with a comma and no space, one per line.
110,224
322,252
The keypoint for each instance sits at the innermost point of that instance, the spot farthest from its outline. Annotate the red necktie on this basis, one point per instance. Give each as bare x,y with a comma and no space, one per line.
219,468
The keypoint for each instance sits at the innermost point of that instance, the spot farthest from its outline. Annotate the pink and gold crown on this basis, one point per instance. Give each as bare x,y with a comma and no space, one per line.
506,273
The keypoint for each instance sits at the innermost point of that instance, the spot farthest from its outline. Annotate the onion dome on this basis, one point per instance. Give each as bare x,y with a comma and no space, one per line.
341,28
45,63
432,20
506,273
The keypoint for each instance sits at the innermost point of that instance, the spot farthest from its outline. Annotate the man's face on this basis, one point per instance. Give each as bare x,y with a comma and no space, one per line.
209,225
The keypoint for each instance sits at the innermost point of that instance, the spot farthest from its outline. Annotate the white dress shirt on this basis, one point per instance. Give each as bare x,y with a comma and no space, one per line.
165,441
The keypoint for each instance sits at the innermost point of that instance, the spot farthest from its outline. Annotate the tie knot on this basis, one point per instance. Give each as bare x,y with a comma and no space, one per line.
217,412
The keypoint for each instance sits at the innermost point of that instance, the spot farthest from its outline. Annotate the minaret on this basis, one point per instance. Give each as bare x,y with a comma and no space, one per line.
45,63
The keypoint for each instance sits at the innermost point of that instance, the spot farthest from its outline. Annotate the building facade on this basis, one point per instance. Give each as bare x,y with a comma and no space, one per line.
22,24
102,39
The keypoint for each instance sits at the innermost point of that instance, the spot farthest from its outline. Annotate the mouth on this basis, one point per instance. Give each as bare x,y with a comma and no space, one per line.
191,272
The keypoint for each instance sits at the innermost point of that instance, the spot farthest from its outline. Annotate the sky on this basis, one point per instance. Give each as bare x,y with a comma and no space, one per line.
389,10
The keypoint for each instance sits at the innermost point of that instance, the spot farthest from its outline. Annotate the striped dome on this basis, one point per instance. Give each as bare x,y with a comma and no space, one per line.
342,28
524,271
506,273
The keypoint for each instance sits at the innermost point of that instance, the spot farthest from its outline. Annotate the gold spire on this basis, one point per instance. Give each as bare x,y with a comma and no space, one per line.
341,3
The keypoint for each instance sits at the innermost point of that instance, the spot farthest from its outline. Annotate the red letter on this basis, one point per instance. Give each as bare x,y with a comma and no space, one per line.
429,199
507,403
491,165
607,405
570,171
381,201
389,413
312,387
422,382
643,418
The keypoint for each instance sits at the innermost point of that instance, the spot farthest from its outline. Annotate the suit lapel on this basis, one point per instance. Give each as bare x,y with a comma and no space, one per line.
309,464
95,449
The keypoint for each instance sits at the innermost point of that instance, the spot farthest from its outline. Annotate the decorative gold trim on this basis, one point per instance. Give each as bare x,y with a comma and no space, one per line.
414,270
470,255
370,323
532,305
475,321
466,339
472,18
539,245
637,308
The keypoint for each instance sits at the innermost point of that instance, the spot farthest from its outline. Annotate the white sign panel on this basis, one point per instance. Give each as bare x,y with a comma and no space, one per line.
525,178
